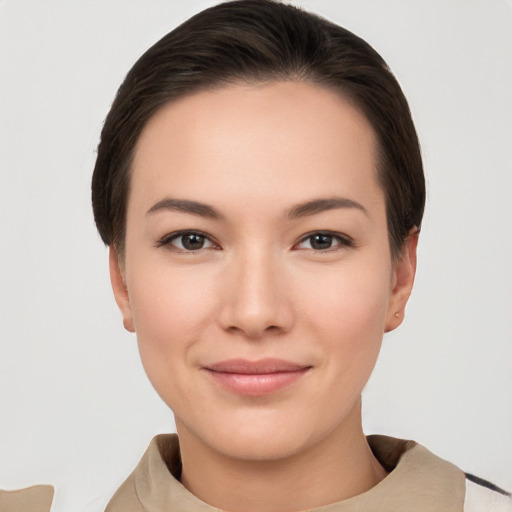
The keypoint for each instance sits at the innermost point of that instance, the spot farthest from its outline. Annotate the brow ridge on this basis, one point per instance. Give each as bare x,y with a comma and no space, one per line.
185,206
323,204
305,209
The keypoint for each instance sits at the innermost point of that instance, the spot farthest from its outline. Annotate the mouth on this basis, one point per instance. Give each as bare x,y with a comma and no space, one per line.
256,378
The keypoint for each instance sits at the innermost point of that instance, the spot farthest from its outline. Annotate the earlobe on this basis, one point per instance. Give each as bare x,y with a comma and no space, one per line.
404,272
120,290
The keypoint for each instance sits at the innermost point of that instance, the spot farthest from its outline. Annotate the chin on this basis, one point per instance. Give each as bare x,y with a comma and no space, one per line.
258,437
262,447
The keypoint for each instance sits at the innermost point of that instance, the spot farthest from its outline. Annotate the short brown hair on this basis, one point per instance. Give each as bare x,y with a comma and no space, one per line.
259,41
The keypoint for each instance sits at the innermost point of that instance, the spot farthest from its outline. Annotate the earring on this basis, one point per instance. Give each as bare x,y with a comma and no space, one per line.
397,314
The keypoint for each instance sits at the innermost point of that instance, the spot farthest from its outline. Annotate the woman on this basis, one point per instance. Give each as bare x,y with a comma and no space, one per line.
260,186
262,206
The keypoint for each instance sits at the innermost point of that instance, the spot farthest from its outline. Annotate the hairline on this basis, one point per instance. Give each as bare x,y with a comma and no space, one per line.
251,80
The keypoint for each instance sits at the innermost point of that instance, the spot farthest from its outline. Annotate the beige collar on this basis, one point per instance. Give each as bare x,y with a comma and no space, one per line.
418,480
37,498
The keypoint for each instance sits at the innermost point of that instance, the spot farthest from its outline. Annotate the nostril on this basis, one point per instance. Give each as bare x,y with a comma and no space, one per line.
253,306
254,332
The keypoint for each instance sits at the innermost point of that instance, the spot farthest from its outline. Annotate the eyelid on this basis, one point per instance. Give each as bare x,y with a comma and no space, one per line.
344,240
166,240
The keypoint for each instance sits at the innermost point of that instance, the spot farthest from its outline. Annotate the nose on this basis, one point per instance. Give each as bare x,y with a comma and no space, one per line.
255,302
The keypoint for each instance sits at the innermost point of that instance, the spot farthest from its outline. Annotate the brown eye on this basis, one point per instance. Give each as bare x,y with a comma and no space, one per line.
323,241
186,241
192,241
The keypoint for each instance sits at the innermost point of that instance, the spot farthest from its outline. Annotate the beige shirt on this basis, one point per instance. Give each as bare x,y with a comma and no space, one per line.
37,498
418,481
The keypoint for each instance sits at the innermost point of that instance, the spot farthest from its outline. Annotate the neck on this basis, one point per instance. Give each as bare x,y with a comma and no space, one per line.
334,469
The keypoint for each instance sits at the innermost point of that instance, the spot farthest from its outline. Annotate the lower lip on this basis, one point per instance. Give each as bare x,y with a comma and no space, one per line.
257,384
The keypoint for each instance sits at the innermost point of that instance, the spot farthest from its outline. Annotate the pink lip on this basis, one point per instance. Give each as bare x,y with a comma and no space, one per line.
256,378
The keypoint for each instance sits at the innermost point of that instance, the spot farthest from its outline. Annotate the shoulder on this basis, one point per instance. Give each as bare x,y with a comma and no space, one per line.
37,498
483,496
433,481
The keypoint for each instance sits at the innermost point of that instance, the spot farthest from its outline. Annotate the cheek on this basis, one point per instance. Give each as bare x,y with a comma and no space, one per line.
353,302
347,313
170,308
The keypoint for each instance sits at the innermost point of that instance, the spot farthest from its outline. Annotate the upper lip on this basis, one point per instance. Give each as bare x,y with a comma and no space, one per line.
262,366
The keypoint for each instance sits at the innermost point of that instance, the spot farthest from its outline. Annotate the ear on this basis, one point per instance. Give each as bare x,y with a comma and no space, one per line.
120,290
404,270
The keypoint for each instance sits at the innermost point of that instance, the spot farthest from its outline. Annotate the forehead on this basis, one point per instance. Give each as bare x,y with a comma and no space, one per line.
264,137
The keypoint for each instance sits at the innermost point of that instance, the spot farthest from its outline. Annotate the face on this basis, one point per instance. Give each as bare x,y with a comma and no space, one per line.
257,273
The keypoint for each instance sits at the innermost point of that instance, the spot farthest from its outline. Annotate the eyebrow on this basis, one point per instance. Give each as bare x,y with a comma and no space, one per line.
298,211
321,205
186,206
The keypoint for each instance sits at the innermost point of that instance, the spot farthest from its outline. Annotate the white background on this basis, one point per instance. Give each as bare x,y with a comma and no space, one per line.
76,408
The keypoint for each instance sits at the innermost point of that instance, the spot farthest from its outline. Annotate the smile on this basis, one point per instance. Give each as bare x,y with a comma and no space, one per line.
256,378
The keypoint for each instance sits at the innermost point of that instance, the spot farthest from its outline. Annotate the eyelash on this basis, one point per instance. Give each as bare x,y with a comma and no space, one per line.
171,237
342,241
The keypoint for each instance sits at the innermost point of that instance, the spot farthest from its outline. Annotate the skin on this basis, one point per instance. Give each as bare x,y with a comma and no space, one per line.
260,288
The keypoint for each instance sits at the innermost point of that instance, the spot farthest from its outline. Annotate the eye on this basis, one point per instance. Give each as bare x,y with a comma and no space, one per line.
187,241
323,241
